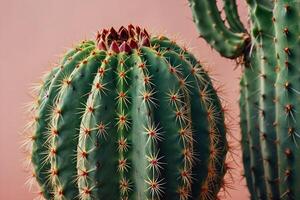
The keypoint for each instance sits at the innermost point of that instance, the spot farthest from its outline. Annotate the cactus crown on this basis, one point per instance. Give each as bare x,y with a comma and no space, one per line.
123,40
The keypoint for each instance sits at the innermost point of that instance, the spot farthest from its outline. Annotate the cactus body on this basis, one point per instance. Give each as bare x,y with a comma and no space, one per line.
128,116
269,100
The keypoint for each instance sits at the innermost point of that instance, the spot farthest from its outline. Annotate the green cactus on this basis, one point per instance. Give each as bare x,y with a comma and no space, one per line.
269,87
128,116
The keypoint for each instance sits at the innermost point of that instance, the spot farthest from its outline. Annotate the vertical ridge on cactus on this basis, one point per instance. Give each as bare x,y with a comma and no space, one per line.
269,90
287,30
128,116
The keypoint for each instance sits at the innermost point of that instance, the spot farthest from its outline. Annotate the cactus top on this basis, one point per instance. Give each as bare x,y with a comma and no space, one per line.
123,40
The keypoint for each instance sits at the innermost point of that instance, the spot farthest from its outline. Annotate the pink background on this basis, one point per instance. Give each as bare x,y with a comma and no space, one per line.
32,35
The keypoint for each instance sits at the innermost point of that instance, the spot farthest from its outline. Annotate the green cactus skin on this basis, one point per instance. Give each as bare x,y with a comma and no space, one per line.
232,16
128,116
269,88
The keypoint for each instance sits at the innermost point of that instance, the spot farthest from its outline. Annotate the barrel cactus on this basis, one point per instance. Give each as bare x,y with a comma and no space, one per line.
270,88
128,116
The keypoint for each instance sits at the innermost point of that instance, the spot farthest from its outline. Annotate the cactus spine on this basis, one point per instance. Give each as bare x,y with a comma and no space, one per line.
269,89
128,116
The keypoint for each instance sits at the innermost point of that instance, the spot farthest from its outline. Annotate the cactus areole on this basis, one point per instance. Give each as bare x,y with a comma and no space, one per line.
270,88
128,116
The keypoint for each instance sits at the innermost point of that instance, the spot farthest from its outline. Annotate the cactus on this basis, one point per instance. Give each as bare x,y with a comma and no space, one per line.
128,116
270,55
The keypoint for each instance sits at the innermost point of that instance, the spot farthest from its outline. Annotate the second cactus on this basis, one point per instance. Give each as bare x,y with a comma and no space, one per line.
270,88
